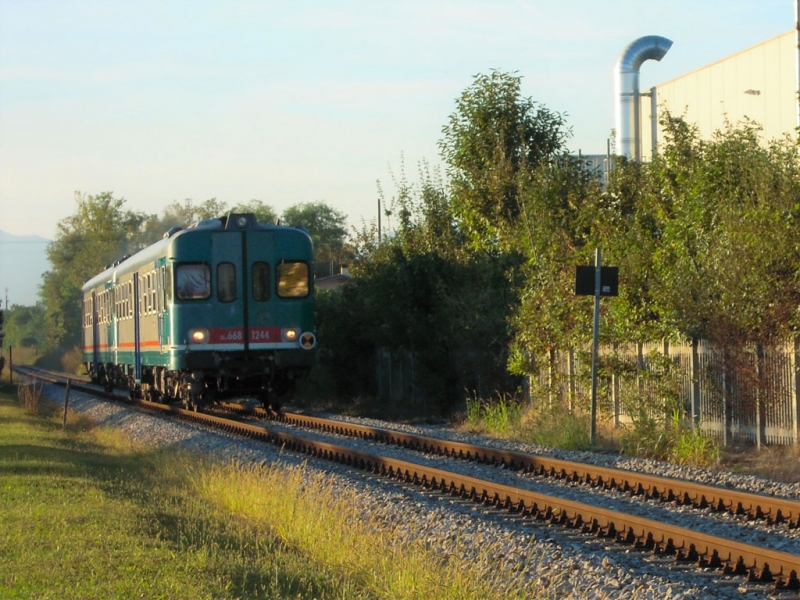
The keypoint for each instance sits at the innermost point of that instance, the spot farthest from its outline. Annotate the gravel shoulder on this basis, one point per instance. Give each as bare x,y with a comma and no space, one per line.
568,564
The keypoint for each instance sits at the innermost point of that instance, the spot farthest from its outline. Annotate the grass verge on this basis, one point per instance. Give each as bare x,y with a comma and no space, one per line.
88,515
506,417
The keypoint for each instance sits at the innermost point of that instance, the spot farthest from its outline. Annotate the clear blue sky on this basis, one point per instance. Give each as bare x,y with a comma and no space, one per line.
301,101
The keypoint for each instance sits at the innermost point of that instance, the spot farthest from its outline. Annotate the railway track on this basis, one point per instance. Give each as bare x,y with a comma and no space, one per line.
773,510
685,545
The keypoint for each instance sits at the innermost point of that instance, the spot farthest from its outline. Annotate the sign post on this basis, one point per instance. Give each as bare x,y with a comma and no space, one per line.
596,281
595,341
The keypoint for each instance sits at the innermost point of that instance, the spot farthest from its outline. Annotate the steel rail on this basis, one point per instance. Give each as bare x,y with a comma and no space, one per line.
707,551
773,510
666,489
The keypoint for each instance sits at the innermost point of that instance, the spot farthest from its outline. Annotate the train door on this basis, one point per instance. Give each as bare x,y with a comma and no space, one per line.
165,303
137,338
264,326
95,335
228,255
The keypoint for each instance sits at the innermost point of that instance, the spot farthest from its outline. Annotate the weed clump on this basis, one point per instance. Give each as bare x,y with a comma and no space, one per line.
506,416
670,439
497,416
30,398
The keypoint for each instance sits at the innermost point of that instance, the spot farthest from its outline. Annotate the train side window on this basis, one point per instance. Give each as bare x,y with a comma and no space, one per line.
261,281
153,294
163,284
226,282
146,294
143,295
167,285
159,292
192,281
292,279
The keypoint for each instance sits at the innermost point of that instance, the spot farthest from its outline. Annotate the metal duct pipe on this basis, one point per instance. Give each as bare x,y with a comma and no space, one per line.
626,90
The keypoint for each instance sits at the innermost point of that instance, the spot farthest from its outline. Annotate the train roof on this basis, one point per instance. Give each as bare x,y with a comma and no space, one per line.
233,221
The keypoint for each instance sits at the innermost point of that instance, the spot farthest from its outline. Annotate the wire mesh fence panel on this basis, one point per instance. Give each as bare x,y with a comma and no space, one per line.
747,393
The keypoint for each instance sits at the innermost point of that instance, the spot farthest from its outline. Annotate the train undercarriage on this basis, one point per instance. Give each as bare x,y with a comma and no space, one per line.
197,388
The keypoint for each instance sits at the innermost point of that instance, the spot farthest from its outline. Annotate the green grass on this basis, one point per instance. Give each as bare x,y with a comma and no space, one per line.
86,518
497,416
672,440
507,418
85,514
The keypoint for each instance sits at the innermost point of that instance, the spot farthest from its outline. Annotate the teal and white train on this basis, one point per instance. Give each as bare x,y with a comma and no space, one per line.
222,308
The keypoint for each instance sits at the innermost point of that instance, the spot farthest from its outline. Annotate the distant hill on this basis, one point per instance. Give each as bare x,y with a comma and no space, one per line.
22,263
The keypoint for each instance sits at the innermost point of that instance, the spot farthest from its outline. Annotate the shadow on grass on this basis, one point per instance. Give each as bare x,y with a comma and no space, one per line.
169,511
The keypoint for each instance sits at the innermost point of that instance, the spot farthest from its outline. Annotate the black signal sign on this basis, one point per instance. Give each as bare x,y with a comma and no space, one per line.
308,341
584,281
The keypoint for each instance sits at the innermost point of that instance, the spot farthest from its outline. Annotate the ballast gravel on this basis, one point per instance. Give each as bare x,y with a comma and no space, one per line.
556,562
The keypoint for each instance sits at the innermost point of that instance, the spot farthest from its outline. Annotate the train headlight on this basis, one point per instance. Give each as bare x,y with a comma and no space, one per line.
242,222
290,335
198,336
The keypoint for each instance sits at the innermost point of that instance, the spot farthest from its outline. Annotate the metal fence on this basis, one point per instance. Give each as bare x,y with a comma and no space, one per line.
747,393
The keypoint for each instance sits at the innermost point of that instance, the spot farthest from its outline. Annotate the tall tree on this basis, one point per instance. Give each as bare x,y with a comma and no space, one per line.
182,214
327,229
25,327
494,134
98,232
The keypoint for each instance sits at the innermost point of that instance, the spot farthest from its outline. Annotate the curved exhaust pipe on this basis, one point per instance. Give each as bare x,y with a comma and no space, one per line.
626,90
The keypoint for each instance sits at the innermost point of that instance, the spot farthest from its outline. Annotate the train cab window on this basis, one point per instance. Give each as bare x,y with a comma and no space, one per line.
192,281
226,282
261,282
292,279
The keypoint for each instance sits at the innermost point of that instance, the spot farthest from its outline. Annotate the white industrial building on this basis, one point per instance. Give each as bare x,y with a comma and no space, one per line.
758,83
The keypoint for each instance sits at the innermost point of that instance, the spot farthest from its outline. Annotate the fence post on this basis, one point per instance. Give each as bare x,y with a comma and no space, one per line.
615,386
551,383
571,369
695,374
66,404
795,380
726,429
640,372
759,384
